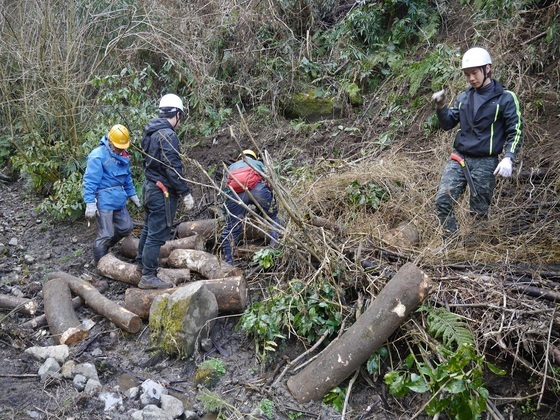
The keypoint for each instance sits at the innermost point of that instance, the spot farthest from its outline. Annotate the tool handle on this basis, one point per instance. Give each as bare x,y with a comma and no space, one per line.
457,158
162,187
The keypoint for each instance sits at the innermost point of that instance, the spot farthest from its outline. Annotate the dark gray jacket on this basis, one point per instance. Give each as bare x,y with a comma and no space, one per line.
162,158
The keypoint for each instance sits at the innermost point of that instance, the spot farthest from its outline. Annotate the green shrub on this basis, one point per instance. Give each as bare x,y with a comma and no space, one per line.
368,195
455,379
305,310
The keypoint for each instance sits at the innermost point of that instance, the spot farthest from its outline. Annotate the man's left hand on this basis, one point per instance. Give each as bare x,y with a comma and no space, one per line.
135,200
504,168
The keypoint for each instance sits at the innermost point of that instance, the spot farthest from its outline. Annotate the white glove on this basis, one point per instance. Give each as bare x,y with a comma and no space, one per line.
91,211
135,200
439,98
188,201
504,168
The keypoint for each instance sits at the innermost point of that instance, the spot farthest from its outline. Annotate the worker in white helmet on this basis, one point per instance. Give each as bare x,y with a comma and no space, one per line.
164,185
490,128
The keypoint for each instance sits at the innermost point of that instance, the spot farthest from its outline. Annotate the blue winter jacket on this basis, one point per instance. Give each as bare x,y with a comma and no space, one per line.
496,127
108,178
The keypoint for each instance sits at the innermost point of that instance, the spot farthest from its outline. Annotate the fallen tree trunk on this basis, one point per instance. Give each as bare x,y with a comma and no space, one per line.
129,246
230,292
21,305
202,262
77,301
121,317
62,320
402,294
110,266
205,228
535,292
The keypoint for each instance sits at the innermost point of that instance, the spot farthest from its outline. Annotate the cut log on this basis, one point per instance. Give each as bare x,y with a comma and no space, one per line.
21,305
230,292
202,262
129,246
77,301
110,266
402,294
246,251
324,223
120,316
62,320
174,276
205,228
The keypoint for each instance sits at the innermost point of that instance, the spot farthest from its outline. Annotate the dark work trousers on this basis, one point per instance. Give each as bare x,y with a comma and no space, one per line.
453,184
156,230
236,212
112,226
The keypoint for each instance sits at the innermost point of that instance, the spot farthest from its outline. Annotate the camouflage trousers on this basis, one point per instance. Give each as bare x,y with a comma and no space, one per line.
453,183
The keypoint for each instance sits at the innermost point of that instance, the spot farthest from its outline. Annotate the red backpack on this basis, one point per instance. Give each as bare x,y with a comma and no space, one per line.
242,179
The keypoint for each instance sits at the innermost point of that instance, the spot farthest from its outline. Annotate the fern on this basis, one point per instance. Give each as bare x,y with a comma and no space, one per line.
447,326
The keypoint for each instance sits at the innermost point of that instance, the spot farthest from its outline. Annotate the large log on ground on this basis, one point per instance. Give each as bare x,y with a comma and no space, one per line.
202,262
205,228
21,305
77,301
120,316
62,320
209,229
129,246
230,292
110,266
402,294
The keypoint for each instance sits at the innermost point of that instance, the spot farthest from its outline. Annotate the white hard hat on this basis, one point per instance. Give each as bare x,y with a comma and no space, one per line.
171,101
475,57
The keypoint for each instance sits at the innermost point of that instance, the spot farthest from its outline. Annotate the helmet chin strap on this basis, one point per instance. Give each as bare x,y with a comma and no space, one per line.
176,120
485,73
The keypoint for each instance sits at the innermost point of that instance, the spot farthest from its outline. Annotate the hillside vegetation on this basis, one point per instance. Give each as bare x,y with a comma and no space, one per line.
368,164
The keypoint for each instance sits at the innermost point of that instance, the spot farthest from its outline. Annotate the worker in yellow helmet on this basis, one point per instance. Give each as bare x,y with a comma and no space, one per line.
107,185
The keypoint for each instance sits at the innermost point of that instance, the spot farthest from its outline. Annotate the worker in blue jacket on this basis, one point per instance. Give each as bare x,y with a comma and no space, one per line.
245,185
490,122
107,184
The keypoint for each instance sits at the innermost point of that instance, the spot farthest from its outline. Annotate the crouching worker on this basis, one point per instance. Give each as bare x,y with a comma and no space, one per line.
107,184
245,185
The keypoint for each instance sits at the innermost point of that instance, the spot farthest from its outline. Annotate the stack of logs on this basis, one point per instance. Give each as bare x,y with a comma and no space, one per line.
177,259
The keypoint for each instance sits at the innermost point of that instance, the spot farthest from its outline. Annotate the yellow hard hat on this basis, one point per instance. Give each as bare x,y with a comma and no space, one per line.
249,152
119,136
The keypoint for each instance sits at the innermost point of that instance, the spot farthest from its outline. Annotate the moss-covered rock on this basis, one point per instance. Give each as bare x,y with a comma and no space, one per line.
312,106
178,320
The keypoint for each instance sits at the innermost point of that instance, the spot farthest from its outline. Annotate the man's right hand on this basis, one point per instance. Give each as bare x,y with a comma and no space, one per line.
439,98
188,201
91,211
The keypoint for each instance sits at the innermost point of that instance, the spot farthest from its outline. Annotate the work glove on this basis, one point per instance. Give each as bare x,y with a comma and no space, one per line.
135,200
188,201
504,168
91,211
439,98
